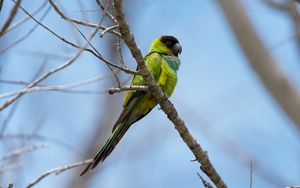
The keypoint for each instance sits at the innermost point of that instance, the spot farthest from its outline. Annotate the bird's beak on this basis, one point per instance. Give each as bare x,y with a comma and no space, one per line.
177,48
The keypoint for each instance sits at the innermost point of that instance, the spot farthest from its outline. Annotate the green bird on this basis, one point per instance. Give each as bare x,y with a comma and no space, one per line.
163,62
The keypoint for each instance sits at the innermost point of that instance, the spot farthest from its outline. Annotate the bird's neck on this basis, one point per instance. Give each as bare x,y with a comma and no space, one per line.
173,62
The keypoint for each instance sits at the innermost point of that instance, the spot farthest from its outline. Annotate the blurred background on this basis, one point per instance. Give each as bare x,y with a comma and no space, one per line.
221,98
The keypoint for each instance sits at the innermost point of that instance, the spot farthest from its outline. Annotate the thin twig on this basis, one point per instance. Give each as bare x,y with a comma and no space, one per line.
43,138
63,88
13,109
22,150
79,21
124,69
277,5
82,7
104,9
127,88
26,35
162,99
23,20
57,171
70,85
10,167
234,148
204,182
290,8
46,75
49,55
98,53
119,49
10,18
8,118
107,30
1,3
58,89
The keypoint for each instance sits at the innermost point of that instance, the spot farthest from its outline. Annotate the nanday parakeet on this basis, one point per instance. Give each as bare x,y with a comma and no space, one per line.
163,62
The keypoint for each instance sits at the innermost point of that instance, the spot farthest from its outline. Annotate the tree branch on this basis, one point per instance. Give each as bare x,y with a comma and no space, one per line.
10,18
204,182
79,22
46,75
57,171
114,90
22,150
26,35
26,18
123,68
162,99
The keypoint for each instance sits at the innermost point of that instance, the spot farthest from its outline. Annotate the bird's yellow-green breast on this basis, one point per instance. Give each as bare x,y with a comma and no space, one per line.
168,76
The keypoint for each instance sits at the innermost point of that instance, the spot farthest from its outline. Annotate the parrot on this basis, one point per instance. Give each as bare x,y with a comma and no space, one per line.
162,62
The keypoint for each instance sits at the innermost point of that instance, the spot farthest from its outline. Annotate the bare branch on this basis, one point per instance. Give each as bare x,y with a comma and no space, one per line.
10,167
13,109
204,182
107,30
11,16
112,18
46,75
22,150
40,137
81,22
1,3
58,89
290,8
26,34
127,88
57,171
63,88
162,99
8,118
98,53
119,48
123,68
261,60
22,20
277,5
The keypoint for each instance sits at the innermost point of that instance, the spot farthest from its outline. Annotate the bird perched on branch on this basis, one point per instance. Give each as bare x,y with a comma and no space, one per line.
162,61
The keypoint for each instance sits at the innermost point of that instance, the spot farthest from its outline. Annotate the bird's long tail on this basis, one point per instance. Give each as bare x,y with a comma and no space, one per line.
108,147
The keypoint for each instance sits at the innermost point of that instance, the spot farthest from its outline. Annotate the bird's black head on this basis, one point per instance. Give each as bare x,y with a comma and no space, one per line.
172,43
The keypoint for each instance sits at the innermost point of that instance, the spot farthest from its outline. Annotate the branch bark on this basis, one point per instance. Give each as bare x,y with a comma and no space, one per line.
79,22
46,75
162,99
271,75
10,18
57,171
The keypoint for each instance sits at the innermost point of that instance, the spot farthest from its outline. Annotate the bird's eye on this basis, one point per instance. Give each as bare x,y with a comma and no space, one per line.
169,44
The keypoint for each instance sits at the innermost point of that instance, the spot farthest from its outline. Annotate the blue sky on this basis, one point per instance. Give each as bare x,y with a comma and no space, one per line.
218,95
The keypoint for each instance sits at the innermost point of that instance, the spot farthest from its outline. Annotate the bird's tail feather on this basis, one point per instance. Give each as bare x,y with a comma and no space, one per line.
108,147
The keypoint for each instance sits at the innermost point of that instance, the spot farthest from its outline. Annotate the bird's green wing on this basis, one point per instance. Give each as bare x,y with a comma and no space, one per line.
153,62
